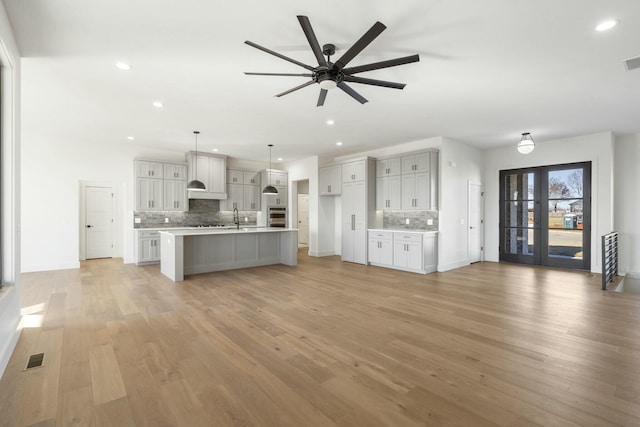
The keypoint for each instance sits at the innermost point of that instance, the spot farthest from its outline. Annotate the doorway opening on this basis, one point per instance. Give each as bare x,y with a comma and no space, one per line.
545,216
303,214
476,223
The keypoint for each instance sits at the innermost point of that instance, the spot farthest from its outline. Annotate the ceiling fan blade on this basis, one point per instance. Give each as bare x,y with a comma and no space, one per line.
358,46
310,82
382,64
311,38
279,55
322,97
355,95
278,74
373,82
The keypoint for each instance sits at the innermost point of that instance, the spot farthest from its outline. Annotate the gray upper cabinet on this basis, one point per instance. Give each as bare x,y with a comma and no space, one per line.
330,180
354,171
243,191
251,178
388,167
160,186
420,181
176,172
420,162
235,176
149,169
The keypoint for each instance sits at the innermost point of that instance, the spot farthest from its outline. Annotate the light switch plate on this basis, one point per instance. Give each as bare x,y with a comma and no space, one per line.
166,220
429,222
407,221
137,220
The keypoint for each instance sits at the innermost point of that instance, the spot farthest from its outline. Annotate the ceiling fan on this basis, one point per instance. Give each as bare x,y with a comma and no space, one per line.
335,74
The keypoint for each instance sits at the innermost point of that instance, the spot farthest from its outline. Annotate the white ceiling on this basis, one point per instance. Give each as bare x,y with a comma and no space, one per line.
488,71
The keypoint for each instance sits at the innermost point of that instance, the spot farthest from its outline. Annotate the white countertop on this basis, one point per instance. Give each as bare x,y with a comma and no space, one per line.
245,230
404,231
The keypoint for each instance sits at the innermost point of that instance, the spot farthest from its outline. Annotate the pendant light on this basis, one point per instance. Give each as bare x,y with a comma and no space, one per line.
269,189
526,144
195,185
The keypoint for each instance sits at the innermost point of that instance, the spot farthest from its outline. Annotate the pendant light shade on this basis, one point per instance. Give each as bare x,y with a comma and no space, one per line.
196,185
526,144
269,189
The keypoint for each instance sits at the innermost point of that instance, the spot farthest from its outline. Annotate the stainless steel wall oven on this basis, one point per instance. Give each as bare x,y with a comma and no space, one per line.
276,217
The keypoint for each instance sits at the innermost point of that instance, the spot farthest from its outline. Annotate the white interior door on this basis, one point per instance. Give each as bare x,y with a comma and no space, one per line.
303,219
98,222
475,223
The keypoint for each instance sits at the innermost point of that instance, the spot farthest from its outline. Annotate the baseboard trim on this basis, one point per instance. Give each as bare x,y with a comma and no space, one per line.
321,253
34,268
453,265
7,351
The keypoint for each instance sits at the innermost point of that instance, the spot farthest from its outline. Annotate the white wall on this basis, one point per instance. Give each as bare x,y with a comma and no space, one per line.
306,169
460,165
51,172
627,201
596,148
10,203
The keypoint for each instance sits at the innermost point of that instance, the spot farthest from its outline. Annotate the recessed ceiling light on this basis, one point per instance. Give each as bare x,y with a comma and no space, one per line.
330,122
215,150
339,143
131,138
158,104
279,159
123,66
606,25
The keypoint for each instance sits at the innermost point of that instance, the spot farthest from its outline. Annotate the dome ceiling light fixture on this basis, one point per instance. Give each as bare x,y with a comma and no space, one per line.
526,144
330,75
269,189
194,184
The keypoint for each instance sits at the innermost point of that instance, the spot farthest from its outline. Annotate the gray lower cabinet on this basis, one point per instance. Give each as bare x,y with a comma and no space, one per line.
413,251
147,246
381,248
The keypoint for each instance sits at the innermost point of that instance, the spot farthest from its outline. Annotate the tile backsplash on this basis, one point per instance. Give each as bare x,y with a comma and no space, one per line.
201,212
418,220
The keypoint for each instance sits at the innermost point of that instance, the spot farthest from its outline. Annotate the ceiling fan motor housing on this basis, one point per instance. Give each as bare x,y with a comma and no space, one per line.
328,74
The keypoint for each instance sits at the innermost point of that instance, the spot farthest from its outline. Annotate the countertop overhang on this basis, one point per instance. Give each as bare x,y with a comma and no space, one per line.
400,230
241,230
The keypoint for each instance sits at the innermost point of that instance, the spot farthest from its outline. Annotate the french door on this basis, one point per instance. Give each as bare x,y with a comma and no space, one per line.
545,215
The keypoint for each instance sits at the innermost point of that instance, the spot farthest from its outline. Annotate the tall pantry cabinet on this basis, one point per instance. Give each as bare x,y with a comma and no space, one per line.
358,208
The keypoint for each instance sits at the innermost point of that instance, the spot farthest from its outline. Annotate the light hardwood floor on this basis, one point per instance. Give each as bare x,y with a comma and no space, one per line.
325,343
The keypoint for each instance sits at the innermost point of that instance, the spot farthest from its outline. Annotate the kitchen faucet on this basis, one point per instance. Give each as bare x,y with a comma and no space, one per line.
236,218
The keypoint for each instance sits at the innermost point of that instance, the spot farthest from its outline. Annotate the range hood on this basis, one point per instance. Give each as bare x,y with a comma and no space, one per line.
212,171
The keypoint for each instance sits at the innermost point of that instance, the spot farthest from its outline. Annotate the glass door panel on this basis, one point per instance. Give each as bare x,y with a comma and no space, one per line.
545,215
518,215
566,244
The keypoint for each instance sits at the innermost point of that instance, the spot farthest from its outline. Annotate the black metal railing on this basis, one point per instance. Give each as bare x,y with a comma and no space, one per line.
609,258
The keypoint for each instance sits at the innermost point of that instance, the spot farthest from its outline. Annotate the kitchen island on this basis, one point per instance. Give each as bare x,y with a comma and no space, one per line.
195,251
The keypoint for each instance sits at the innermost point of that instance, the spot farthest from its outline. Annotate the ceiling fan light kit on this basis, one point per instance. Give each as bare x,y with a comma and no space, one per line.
195,185
330,75
526,144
